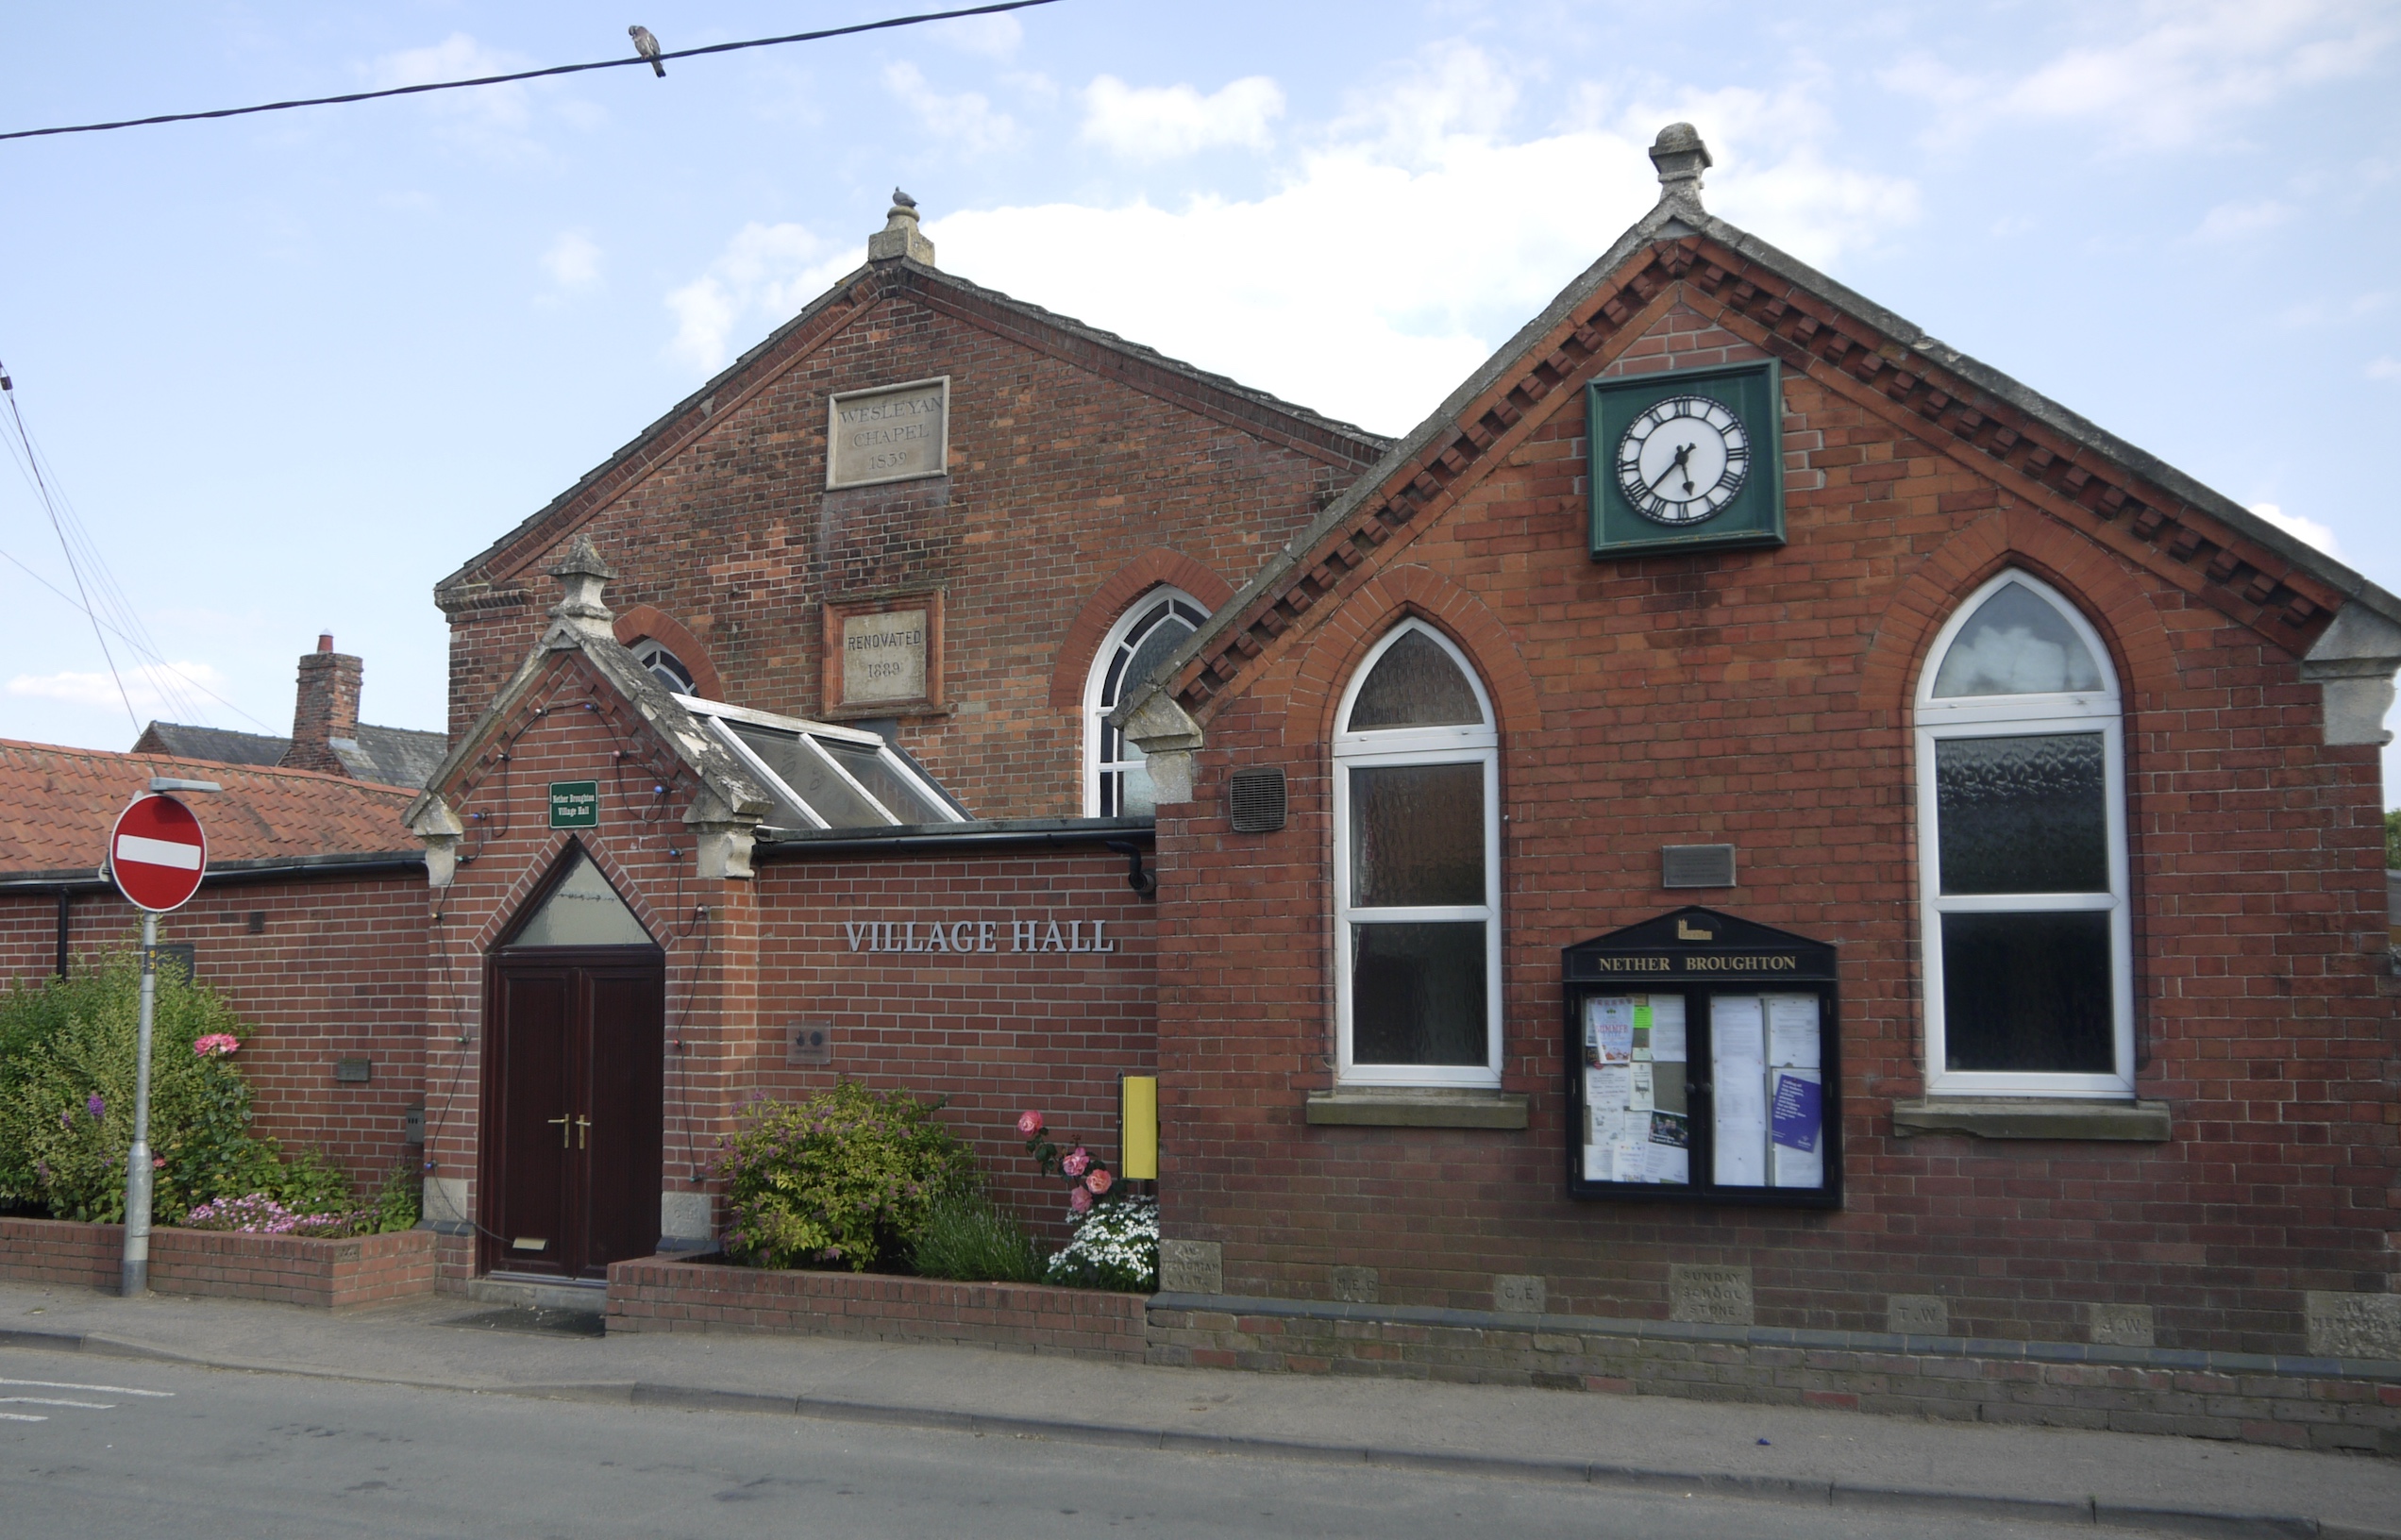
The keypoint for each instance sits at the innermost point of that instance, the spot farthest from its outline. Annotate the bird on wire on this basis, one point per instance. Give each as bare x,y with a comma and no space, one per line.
647,46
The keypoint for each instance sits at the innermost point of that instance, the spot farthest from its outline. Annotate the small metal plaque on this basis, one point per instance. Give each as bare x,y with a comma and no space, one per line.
574,804
1696,866
808,1043
359,1071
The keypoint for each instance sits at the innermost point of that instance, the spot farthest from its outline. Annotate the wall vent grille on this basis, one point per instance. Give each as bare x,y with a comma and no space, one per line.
1254,799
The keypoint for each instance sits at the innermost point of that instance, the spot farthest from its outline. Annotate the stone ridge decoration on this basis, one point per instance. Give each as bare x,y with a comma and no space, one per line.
891,433
1088,937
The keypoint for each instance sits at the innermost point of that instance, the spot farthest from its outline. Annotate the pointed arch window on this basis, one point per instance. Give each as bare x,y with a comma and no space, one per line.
581,909
2024,887
1417,868
1116,784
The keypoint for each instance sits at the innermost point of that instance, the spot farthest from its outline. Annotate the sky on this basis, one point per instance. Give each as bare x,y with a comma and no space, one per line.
287,372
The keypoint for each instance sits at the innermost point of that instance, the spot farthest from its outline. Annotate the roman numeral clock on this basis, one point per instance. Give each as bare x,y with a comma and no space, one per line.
1687,460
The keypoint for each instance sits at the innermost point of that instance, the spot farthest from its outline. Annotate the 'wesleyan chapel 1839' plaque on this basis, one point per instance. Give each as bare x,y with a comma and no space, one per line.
891,433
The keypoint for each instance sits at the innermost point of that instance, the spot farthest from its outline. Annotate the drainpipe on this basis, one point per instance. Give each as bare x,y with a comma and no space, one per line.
66,897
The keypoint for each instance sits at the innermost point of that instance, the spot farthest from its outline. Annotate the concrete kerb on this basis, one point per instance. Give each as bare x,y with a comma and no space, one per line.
2089,1513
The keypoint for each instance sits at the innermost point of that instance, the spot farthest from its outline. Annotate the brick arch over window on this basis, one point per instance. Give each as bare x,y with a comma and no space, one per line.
650,620
2088,576
534,882
1385,601
1151,569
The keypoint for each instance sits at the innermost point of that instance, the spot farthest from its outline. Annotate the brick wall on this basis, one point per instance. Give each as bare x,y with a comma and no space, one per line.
319,969
658,1294
351,1274
1069,463
1760,698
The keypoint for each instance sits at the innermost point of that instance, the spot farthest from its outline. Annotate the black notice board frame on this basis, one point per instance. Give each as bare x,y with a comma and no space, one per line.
1700,953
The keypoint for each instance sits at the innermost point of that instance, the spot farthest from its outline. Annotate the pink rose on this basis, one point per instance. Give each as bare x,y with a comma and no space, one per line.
1099,1180
1079,1200
1030,1123
1079,1160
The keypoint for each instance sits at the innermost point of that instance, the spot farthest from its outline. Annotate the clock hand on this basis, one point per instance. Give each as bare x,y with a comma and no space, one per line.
1675,466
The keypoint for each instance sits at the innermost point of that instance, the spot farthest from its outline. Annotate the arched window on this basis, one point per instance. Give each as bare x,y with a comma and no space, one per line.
1116,784
2029,975
664,665
1417,868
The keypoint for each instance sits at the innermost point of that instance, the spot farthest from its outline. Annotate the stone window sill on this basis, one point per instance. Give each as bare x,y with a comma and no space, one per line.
2145,1122
1400,1107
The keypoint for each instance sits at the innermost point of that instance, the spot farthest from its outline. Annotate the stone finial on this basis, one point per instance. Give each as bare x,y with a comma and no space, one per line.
1680,159
899,236
582,576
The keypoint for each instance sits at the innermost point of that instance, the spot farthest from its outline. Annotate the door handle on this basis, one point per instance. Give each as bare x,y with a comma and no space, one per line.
583,1133
563,1130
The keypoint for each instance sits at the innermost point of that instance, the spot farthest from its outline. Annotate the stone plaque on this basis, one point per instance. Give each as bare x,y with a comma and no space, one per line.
883,657
1191,1267
1709,1296
1356,1285
889,434
2120,1325
1917,1315
2353,1325
1520,1293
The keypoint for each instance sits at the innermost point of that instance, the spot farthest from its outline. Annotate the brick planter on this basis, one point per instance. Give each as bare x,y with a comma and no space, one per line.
658,1294
329,1275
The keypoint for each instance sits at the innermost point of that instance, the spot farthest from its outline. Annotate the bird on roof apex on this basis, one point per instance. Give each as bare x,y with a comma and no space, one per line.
902,200
647,46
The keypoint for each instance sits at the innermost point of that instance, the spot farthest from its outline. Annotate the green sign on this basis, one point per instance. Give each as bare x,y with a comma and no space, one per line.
1687,460
574,804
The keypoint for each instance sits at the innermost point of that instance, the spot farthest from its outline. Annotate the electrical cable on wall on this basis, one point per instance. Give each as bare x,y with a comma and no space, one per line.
651,58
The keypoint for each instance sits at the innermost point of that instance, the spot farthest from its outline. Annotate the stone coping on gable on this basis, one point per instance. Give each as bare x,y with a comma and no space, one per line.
2173,1359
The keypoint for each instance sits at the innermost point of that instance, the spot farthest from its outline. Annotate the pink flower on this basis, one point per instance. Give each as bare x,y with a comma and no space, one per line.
1030,1123
1077,1160
1079,1200
158,1163
216,1044
1099,1181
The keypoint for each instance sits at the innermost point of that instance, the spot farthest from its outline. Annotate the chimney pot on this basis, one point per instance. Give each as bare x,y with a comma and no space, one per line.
325,640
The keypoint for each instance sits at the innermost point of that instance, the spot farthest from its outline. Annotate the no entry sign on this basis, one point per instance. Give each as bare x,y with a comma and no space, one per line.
156,853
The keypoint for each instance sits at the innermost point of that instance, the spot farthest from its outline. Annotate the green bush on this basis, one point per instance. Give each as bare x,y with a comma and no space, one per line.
399,1202
968,1237
67,1056
843,1179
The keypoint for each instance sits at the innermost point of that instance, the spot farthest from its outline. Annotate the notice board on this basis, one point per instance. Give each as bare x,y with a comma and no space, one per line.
1704,1064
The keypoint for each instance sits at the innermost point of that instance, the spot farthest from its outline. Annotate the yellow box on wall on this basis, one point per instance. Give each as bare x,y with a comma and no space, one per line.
1139,1127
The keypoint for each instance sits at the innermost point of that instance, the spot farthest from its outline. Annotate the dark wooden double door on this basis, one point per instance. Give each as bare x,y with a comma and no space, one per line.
572,1109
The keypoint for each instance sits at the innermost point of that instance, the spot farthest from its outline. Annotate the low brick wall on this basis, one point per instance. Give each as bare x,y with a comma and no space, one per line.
2295,1402
659,1294
329,1275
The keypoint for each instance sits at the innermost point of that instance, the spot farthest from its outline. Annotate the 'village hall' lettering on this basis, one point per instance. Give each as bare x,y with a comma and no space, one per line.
1089,936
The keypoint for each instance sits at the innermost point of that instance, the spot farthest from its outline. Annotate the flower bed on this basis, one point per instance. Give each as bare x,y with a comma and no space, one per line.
346,1274
664,1294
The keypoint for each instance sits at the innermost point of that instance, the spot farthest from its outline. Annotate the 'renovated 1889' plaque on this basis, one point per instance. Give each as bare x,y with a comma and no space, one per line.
891,433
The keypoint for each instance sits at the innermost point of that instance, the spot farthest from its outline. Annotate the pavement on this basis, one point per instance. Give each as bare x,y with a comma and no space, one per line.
1645,1443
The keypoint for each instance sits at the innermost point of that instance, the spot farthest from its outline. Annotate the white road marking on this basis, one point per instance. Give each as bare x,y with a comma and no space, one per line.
44,1400
20,1416
110,1390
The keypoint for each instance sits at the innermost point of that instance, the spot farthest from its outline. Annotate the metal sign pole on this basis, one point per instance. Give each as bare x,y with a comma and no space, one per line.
136,1279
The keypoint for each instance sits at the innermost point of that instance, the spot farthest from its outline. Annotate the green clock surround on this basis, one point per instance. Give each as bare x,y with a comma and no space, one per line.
1702,450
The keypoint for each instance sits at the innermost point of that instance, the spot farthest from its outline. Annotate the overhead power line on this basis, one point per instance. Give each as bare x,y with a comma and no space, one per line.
637,60
42,485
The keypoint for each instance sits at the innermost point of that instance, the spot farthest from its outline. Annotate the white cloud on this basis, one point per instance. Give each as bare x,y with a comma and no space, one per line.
763,278
498,122
2307,531
2232,221
1155,122
148,686
967,122
573,262
2384,368
2182,68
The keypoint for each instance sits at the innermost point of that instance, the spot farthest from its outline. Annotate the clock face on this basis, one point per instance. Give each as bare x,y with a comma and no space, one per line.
1683,461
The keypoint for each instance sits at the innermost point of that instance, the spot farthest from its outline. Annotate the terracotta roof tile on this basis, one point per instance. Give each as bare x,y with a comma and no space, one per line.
56,805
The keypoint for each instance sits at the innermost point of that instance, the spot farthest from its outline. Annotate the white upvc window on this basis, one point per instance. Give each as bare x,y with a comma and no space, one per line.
1417,868
2024,902
1117,783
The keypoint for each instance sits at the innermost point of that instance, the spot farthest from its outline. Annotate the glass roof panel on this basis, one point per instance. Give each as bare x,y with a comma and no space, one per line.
874,769
810,776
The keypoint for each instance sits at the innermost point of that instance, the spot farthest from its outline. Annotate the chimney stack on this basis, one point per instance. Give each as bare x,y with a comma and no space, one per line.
325,709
